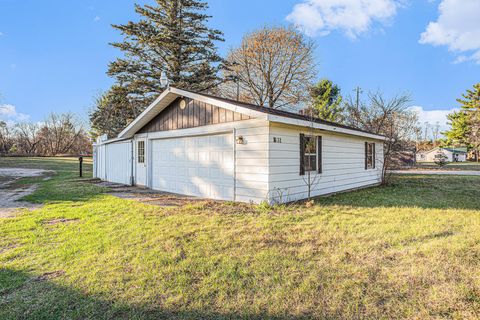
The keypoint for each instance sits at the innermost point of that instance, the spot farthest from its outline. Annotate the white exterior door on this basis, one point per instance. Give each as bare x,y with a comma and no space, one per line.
141,163
199,166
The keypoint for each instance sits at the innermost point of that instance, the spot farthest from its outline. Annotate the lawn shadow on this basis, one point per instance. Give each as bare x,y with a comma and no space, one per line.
24,296
423,191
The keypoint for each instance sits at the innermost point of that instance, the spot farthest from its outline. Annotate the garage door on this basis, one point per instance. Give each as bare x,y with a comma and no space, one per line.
198,166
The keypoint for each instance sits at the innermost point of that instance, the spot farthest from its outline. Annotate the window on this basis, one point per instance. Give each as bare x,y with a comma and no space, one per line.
141,152
369,155
310,154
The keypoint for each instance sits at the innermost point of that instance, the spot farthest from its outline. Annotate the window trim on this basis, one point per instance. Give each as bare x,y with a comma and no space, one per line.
141,157
371,166
318,154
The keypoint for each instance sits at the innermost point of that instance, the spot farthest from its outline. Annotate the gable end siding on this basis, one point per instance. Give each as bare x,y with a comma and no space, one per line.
196,114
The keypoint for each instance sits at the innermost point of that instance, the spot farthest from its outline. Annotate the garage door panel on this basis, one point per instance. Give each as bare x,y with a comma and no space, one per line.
199,166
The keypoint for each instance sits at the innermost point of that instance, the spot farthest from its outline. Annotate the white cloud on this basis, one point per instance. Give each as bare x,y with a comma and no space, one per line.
458,28
96,19
433,116
353,17
9,114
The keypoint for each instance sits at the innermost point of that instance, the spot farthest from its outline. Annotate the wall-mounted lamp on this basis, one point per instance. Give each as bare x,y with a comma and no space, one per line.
240,140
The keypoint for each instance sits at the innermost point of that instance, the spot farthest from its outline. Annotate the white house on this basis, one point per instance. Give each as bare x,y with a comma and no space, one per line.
202,145
452,155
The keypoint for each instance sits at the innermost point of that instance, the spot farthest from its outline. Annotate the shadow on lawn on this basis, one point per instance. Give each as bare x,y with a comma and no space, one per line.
423,191
23,296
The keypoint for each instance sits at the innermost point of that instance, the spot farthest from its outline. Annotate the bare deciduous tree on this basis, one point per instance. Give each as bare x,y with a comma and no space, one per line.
28,138
60,134
6,138
273,67
389,117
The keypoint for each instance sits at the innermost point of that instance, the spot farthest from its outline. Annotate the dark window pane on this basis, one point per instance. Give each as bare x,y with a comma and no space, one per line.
310,162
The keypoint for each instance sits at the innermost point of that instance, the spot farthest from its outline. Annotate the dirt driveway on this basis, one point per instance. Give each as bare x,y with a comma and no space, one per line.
9,195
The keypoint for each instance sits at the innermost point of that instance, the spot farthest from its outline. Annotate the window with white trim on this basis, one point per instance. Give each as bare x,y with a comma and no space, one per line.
310,154
369,155
141,151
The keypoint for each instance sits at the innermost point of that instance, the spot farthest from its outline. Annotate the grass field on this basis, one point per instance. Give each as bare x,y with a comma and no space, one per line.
470,166
409,250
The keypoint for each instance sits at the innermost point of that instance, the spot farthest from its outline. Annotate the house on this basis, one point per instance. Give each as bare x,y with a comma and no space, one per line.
201,145
451,154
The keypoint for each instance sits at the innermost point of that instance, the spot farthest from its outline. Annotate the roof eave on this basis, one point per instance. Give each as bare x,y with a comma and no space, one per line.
320,126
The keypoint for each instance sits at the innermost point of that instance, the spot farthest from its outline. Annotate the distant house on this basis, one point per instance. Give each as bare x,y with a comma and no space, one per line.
452,154
202,145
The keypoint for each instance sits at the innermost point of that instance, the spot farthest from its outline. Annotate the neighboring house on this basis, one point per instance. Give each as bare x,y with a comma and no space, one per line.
202,145
452,154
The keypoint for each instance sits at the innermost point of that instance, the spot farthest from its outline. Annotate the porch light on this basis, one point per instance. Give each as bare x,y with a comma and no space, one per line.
240,140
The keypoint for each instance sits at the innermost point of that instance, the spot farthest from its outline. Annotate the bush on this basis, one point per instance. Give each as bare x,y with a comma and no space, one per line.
441,159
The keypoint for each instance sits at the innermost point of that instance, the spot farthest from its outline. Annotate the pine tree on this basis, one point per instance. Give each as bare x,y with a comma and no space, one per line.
113,112
463,122
326,101
172,37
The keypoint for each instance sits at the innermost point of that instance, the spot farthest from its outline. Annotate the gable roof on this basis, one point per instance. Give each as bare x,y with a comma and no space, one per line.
273,115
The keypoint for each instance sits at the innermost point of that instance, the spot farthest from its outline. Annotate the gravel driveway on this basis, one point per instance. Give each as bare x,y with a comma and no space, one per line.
9,195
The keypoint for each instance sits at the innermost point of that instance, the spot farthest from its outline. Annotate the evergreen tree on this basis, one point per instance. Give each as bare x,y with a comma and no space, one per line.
463,122
326,101
172,37
113,112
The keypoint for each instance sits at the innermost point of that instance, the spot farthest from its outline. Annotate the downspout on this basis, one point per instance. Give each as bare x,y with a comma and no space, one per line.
132,180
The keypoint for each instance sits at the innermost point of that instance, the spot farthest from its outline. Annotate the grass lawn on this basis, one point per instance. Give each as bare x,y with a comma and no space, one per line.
409,250
470,166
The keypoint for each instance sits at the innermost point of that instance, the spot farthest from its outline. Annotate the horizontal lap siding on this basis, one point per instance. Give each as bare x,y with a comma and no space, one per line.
252,162
343,164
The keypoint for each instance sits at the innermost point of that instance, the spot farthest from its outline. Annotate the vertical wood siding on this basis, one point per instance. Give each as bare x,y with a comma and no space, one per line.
195,114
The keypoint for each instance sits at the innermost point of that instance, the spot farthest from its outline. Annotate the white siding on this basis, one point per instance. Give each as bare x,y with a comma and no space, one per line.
343,160
264,171
251,158
113,162
99,161
429,156
252,161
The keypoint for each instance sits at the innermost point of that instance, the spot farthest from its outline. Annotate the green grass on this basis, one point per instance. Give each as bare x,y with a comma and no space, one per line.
409,250
469,166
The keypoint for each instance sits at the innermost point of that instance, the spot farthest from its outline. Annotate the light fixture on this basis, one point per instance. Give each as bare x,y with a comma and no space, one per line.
183,103
240,140
164,82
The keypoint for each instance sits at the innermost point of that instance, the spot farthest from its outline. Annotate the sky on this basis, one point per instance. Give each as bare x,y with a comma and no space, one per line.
54,53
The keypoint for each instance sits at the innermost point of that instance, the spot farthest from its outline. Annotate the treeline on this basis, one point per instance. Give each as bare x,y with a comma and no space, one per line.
59,134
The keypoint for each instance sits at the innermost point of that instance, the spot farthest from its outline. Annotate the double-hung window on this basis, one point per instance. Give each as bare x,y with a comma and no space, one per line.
141,151
310,154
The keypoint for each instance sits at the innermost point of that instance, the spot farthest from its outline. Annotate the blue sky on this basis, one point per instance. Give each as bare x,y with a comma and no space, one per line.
54,53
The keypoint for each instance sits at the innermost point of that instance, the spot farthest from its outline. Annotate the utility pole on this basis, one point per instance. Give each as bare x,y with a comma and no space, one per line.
358,91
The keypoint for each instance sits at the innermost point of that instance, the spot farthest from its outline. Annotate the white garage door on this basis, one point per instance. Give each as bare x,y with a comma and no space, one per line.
198,166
